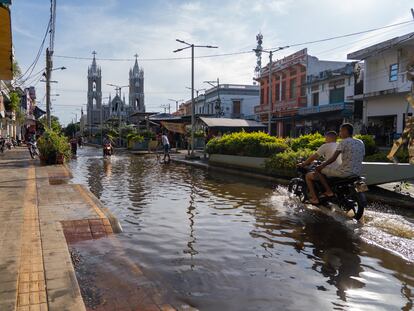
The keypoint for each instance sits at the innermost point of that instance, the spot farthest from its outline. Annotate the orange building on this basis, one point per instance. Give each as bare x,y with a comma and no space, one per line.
288,92
289,82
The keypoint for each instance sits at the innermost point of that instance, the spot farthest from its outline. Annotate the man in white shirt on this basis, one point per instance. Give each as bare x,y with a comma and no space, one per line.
325,151
351,150
166,145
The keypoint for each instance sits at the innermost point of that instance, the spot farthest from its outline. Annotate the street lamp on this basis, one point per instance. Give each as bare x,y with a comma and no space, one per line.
192,46
218,105
269,100
197,91
176,102
48,74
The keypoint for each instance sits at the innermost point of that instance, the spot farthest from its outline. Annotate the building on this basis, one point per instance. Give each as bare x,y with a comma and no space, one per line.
289,90
329,97
386,86
116,107
136,88
236,101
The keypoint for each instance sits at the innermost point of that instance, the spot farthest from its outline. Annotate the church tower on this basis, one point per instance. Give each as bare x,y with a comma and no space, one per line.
94,93
136,88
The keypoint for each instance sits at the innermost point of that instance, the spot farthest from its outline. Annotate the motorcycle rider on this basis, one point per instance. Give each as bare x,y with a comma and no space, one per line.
326,151
107,142
352,151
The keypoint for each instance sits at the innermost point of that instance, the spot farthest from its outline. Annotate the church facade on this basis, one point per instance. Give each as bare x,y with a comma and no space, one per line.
116,108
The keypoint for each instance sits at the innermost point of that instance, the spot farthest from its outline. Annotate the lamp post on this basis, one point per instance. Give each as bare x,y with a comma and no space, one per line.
176,102
218,106
48,74
269,99
192,46
196,90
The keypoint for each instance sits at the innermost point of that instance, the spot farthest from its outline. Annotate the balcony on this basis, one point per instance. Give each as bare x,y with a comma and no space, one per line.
344,106
261,109
289,105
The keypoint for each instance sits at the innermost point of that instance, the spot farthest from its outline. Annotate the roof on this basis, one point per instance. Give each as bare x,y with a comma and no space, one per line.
380,47
225,122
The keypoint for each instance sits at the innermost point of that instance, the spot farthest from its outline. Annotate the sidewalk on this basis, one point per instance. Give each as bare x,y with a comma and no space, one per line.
37,210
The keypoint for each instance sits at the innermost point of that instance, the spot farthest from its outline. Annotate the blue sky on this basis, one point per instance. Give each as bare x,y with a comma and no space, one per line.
121,28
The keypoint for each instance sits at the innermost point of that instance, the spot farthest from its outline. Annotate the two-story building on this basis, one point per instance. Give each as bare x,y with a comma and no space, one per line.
330,102
289,85
235,101
385,86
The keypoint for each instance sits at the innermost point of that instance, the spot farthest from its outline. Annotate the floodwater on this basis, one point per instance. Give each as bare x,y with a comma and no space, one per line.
221,242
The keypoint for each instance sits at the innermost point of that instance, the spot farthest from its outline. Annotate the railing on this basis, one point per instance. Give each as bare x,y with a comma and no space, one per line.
261,108
326,108
287,105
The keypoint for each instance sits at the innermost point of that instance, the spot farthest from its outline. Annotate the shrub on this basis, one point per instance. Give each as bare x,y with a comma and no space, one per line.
134,137
256,144
401,155
51,144
369,142
286,160
309,141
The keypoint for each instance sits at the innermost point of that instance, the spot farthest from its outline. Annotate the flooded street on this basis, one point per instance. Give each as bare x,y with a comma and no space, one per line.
222,242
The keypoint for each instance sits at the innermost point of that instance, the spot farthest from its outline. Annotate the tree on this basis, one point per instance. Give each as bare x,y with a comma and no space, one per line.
71,129
54,122
17,72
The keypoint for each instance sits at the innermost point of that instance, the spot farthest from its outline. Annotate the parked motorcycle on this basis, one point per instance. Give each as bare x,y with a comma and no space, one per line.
2,144
348,192
107,150
34,151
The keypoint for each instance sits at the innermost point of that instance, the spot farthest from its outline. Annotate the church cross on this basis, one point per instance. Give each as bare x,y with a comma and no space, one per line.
136,56
94,54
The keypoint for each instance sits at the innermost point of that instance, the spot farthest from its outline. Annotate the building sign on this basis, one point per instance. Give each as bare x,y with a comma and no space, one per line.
299,57
6,71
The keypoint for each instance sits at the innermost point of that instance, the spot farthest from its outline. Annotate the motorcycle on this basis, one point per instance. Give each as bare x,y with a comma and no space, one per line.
33,149
9,143
2,144
107,150
348,192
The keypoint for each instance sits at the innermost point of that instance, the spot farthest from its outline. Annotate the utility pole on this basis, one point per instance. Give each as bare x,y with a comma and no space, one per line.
48,74
176,102
192,46
269,100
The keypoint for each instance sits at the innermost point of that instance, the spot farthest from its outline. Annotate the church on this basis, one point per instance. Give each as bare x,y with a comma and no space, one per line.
116,107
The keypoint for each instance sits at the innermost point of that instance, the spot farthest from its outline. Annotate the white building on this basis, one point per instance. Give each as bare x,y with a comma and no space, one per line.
386,86
235,101
329,97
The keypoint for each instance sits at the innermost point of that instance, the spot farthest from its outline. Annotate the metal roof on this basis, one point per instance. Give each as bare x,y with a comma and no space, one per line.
380,47
225,122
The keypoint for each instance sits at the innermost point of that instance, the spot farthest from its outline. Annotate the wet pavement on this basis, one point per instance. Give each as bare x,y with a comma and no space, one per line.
221,242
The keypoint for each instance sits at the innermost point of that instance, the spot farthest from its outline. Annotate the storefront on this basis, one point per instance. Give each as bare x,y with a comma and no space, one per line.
383,128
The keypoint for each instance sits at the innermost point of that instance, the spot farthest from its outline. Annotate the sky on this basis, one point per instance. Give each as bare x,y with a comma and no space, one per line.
119,29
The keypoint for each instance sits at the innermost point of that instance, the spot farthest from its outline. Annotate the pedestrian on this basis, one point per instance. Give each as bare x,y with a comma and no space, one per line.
166,145
80,142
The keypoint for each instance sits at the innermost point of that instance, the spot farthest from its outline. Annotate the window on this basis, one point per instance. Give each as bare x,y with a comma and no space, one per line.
277,92
283,90
292,89
393,72
303,86
94,86
337,95
315,99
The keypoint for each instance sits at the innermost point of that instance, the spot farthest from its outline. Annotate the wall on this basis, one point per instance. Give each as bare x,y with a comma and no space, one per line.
377,70
323,90
387,105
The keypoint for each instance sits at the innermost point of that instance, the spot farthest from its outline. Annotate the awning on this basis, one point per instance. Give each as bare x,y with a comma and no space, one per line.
6,57
174,127
226,122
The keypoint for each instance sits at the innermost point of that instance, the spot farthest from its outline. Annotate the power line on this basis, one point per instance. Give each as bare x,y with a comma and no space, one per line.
235,53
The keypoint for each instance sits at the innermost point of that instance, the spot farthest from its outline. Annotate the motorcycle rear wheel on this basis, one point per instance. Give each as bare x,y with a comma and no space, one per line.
298,187
360,202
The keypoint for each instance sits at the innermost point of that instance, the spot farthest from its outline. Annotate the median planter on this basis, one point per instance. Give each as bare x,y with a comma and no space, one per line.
251,164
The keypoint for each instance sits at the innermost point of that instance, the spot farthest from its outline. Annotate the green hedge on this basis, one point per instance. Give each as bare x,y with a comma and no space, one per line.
256,144
309,141
402,156
286,160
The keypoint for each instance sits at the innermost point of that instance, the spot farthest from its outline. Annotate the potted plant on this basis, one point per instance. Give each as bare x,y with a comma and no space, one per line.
53,147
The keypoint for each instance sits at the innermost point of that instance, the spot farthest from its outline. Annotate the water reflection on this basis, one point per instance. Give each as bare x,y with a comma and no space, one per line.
222,242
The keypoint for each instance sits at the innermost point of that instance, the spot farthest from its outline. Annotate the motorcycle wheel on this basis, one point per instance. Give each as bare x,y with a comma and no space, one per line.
32,153
298,187
359,204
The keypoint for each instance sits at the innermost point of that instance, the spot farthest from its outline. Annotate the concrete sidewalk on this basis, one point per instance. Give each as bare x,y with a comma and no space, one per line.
37,209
